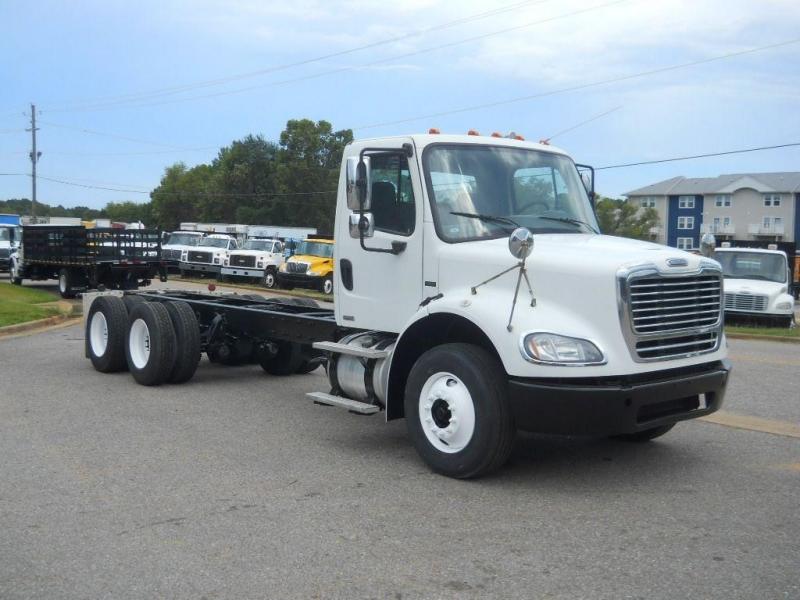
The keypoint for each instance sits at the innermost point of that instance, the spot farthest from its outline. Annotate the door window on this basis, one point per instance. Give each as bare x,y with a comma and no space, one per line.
393,208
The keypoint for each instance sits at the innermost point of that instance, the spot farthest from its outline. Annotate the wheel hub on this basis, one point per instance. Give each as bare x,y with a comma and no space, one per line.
447,413
440,411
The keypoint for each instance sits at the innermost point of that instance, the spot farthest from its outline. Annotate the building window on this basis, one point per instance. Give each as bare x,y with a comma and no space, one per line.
685,243
772,200
722,200
726,221
648,202
685,222
685,201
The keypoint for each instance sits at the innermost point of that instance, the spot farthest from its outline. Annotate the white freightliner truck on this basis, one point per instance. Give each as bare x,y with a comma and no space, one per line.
473,297
257,258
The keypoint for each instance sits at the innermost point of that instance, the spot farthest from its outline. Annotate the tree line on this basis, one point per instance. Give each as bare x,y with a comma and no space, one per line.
291,183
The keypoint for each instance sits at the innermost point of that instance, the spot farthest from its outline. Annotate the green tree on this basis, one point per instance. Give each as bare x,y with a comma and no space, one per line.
129,212
182,194
621,218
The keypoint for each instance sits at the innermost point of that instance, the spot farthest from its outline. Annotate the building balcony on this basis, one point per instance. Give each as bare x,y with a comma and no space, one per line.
718,228
759,229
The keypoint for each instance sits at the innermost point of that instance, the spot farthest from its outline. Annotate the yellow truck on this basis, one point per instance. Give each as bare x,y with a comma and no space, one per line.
310,267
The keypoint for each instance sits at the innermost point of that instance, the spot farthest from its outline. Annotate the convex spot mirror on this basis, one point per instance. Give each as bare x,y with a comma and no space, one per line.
520,243
362,223
359,185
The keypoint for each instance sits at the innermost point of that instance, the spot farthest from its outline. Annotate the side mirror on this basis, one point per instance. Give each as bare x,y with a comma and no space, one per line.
362,223
707,245
359,185
587,178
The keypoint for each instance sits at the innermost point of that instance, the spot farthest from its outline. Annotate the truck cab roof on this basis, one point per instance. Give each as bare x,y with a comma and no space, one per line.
425,139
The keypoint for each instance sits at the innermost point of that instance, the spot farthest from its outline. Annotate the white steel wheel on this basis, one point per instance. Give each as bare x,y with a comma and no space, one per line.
62,283
327,286
98,334
139,343
269,279
446,412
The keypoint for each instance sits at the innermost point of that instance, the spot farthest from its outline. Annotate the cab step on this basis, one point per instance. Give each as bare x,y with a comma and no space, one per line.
351,350
354,406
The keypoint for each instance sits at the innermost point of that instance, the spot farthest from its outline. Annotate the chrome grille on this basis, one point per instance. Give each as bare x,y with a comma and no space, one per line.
296,267
671,316
666,304
238,260
5,252
171,254
200,257
747,302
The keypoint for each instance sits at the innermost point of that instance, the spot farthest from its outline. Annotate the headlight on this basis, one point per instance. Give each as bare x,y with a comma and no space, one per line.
314,273
282,268
260,265
560,349
184,256
216,260
784,306
225,262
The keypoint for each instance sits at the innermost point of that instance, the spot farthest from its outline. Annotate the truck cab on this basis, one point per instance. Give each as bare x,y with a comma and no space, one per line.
208,255
9,241
311,266
176,243
757,284
258,258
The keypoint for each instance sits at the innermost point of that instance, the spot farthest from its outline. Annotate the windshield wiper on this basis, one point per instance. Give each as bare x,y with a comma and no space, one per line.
487,218
569,220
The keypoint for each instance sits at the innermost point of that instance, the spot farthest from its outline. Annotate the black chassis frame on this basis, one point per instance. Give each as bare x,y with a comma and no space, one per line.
232,318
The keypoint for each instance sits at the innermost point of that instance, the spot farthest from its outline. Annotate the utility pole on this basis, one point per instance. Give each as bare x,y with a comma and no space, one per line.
34,159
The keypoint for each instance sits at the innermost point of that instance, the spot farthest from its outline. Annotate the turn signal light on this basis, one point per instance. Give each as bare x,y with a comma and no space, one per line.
473,132
434,130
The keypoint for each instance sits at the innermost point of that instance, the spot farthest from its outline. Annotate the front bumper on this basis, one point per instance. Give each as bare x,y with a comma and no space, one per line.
299,280
242,272
199,267
609,406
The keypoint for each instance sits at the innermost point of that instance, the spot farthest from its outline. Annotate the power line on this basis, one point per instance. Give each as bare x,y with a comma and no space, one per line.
358,67
116,136
578,87
581,124
708,155
125,98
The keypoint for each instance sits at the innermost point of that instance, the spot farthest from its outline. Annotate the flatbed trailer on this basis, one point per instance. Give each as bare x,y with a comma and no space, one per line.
88,258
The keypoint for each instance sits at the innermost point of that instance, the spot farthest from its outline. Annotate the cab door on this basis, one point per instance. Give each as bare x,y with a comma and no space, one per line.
375,288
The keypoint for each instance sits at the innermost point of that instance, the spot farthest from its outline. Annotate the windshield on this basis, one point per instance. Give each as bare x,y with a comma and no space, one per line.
5,234
183,239
315,249
753,265
537,190
263,245
214,242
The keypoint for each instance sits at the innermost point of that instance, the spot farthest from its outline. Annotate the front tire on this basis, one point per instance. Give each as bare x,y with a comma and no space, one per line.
270,279
327,285
457,411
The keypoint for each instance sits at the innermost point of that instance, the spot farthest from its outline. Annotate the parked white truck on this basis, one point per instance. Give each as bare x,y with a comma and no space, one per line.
176,244
474,297
256,259
757,284
207,255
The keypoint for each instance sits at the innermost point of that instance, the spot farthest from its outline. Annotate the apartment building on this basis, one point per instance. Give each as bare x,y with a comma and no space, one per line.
751,208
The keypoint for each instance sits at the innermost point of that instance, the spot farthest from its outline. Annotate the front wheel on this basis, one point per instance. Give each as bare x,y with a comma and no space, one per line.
327,285
457,411
14,273
269,279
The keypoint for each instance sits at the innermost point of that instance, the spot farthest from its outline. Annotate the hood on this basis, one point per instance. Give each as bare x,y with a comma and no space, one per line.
568,255
252,253
308,258
753,286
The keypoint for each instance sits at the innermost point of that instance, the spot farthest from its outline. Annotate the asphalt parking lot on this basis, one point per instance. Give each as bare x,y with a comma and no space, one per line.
236,486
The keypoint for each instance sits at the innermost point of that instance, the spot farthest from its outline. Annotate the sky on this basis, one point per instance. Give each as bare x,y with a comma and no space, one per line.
123,90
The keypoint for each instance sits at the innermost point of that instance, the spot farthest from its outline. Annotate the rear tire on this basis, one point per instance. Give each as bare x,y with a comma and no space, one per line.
187,341
106,325
644,436
150,343
65,284
457,411
131,301
287,360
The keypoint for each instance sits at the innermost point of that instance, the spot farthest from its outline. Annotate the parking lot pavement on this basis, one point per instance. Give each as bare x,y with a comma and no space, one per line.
235,486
